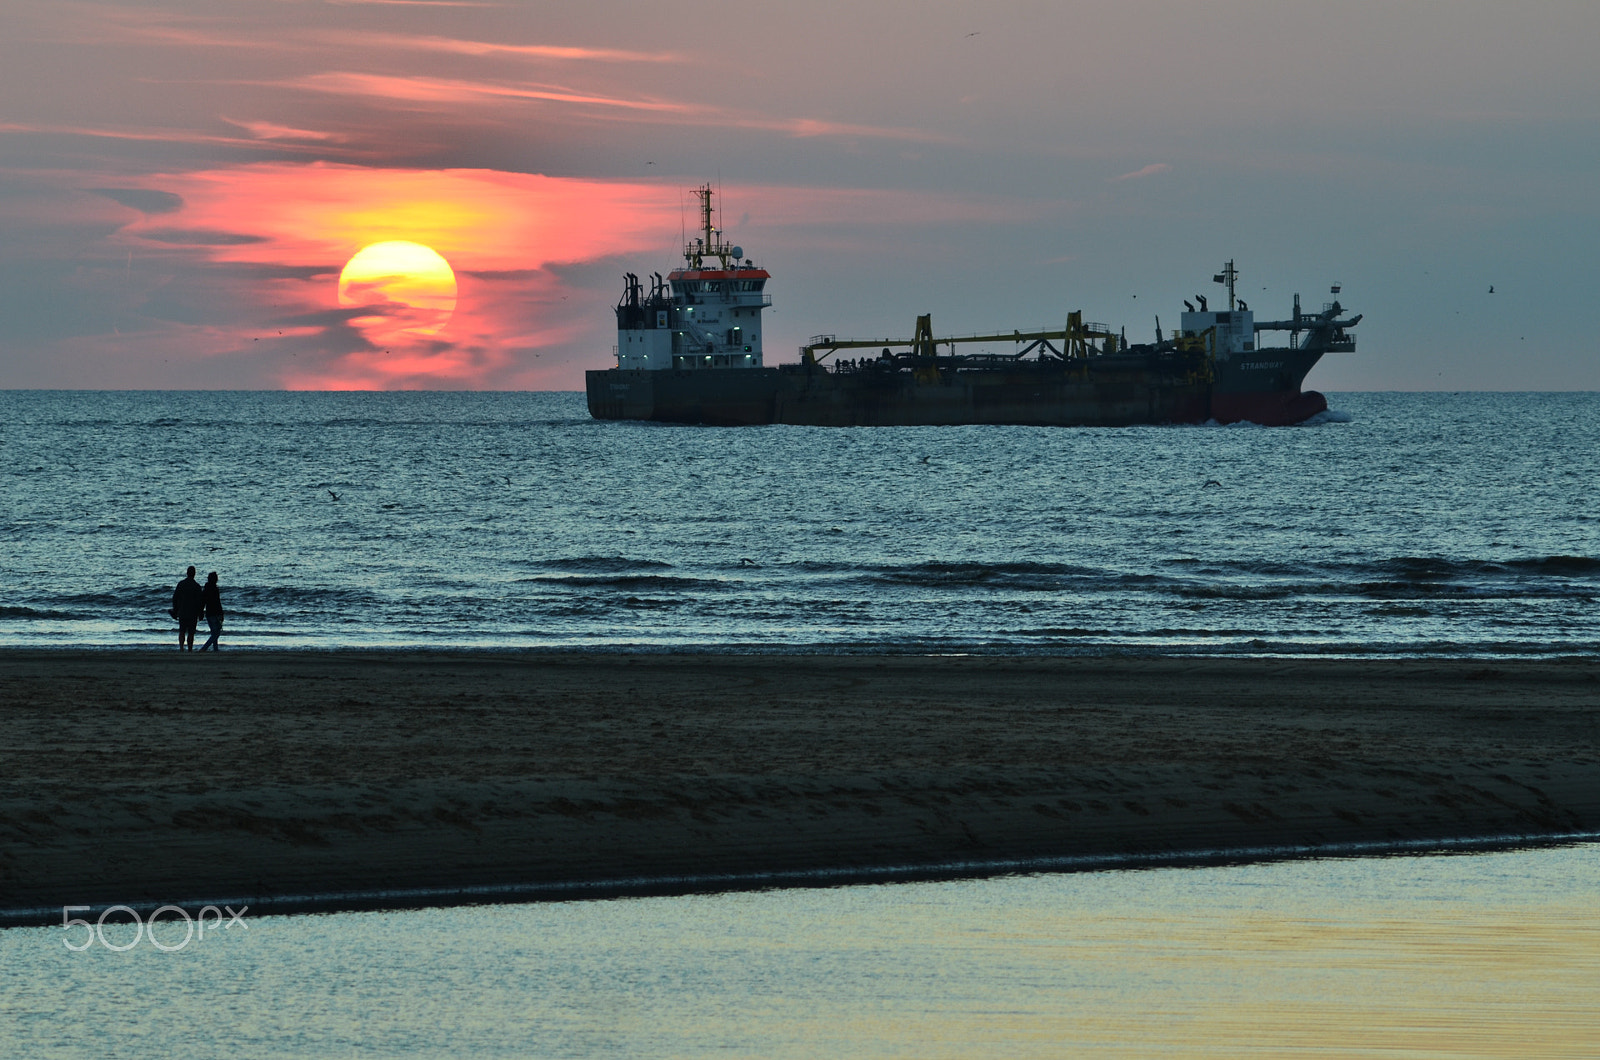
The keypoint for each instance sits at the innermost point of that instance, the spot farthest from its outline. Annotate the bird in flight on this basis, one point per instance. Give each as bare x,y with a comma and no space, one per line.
334,495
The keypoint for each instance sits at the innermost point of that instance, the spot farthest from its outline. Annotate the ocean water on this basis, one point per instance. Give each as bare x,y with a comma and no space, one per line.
1414,524
1489,955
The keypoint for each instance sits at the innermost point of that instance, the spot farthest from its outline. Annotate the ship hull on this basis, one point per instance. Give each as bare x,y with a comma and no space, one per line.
1107,391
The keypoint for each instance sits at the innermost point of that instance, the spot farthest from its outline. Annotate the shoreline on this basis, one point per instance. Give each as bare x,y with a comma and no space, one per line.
674,886
343,779
315,645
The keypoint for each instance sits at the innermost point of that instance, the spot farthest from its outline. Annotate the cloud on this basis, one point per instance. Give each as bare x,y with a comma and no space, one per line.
416,89
261,245
151,135
445,90
199,237
1148,171
145,200
172,29
266,130
411,3
238,266
458,46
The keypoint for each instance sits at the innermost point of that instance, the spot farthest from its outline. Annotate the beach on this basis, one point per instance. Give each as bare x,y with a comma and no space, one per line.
344,776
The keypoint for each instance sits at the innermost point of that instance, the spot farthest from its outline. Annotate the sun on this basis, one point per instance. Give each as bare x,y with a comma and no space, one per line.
410,287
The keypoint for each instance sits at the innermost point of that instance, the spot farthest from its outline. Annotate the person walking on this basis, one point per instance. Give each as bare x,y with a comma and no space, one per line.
212,598
187,603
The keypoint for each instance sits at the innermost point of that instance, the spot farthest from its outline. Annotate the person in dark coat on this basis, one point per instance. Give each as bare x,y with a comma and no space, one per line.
187,603
212,598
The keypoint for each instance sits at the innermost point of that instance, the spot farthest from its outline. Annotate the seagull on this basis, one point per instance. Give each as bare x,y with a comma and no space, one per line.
1491,288
926,459
975,32
746,561
1211,482
334,495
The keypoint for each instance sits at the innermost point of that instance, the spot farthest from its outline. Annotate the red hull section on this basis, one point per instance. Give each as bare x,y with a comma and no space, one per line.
1270,409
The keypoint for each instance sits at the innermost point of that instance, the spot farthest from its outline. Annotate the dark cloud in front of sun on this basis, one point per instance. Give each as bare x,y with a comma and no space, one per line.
144,200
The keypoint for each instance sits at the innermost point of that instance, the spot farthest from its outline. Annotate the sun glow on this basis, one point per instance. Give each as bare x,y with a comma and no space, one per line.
409,287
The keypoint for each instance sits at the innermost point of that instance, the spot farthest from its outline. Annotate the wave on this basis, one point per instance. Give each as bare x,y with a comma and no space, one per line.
599,564
43,614
624,581
301,595
1043,575
1328,416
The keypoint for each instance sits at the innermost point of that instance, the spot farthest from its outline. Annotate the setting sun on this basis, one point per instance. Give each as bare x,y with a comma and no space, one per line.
410,287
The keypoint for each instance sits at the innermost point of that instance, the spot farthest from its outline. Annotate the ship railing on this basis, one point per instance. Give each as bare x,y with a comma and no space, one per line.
1090,328
1024,334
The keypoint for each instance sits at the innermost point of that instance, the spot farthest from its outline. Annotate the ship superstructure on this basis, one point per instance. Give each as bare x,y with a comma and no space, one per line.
690,352
704,315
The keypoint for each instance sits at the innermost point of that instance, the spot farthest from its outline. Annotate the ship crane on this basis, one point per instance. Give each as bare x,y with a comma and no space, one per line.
1324,330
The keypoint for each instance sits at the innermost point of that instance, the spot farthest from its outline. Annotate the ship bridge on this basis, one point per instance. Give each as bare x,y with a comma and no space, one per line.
706,314
1232,331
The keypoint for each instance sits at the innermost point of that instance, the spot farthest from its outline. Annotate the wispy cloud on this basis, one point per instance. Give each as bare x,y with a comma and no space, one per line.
444,90
410,3
266,130
802,128
1147,171
172,29
457,46
174,136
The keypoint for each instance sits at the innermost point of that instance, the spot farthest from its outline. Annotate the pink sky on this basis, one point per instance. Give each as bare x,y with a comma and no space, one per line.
180,183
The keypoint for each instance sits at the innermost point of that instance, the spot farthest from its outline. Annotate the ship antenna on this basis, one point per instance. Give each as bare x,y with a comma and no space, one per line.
1228,276
705,212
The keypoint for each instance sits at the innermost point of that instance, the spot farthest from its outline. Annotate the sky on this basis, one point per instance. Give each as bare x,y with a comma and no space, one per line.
182,182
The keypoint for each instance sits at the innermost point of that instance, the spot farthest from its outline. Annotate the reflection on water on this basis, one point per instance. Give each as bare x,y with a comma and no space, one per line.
1492,955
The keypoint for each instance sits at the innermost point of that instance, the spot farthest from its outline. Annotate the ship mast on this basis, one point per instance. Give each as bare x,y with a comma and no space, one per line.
710,243
1229,275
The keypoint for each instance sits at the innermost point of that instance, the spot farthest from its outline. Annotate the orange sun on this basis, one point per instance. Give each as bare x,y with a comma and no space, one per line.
410,288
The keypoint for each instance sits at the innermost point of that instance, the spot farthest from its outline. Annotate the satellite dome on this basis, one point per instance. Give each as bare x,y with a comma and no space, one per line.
738,252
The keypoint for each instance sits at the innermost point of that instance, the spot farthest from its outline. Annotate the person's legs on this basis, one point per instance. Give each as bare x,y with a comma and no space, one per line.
215,625
186,634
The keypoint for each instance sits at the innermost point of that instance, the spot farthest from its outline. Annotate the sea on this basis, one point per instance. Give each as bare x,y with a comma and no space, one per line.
1395,524
1489,955
1421,525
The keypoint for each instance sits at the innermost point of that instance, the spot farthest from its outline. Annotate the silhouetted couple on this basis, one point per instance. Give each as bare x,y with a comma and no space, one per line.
189,602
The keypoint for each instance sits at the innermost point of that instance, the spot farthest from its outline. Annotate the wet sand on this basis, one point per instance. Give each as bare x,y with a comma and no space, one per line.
149,777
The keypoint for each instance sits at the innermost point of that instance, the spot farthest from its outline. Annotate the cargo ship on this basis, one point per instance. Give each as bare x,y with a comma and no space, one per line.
690,351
